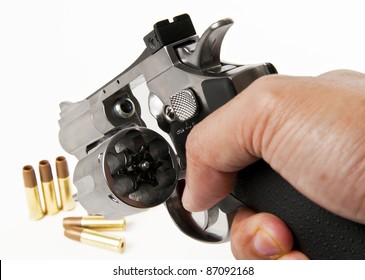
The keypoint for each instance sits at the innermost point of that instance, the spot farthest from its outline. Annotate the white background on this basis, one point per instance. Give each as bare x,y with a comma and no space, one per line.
52,51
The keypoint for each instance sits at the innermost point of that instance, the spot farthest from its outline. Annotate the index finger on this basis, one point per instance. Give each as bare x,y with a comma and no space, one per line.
220,146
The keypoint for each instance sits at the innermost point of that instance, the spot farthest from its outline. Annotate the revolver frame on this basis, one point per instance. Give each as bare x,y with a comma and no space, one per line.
186,81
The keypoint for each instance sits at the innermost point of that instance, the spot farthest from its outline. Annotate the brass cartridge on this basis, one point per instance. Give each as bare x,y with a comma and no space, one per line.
96,238
49,193
64,185
94,222
32,194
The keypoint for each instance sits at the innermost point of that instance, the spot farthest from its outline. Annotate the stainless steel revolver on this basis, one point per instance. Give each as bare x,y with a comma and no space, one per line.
125,167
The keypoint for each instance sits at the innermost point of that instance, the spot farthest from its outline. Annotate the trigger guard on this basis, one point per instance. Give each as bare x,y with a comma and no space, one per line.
185,221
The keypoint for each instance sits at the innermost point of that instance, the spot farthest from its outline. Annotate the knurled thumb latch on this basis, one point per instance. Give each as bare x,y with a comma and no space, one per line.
205,55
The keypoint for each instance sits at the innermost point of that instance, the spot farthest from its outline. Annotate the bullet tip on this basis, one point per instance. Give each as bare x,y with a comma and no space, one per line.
61,167
29,178
70,222
45,171
74,233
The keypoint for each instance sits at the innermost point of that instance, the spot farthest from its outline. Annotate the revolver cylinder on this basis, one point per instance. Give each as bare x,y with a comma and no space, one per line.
133,170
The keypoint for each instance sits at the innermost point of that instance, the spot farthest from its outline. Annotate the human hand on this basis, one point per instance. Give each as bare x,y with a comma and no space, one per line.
311,130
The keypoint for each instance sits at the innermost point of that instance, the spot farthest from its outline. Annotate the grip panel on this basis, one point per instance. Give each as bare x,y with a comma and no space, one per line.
317,232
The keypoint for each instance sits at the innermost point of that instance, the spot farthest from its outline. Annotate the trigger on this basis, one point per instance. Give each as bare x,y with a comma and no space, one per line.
205,54
210,217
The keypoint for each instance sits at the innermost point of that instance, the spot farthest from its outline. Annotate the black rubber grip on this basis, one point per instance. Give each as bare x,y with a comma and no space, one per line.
318,233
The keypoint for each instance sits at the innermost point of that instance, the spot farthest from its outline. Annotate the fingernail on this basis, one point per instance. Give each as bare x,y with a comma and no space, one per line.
265,245
186,198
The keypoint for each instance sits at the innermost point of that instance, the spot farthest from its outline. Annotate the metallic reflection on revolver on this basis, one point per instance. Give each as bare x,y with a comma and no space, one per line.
124,167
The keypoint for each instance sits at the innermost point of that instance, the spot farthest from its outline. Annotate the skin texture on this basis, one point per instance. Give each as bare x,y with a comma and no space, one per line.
311,130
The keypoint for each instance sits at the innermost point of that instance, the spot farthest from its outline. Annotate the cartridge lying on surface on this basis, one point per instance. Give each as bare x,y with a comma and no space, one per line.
64,185
94,222
96,238
32,194
49,193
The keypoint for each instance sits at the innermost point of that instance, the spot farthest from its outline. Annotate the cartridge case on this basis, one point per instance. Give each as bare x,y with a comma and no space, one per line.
64,184
49,192
97,239
95,222
32,194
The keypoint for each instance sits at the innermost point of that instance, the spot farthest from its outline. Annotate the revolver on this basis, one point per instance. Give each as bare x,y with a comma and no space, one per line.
125,167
